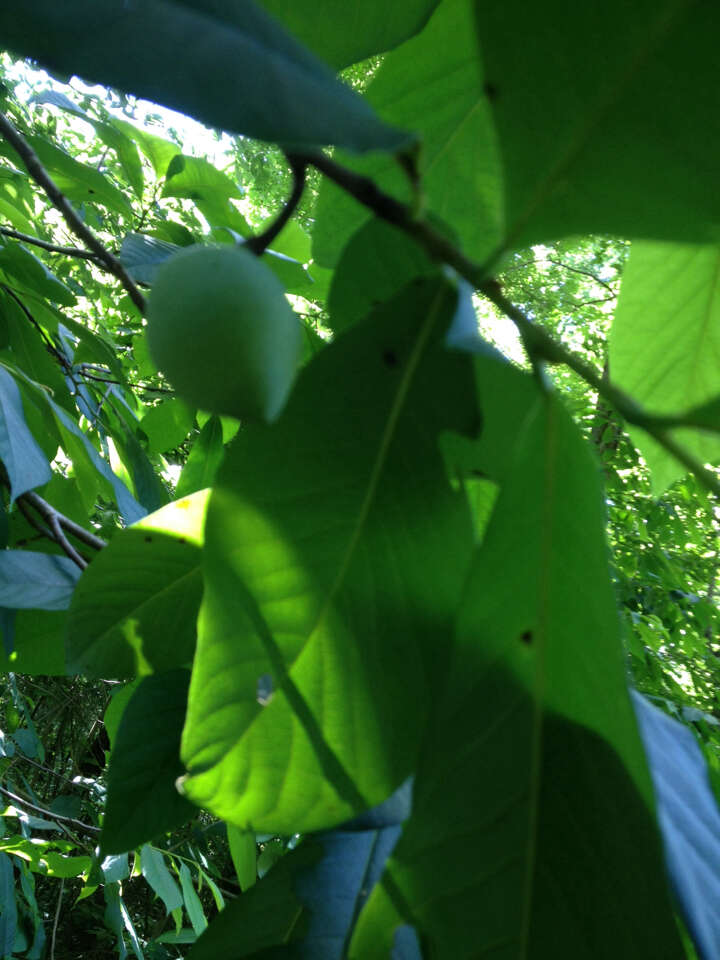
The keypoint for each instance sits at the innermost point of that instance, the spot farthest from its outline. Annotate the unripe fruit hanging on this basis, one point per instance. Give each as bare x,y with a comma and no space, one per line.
221,330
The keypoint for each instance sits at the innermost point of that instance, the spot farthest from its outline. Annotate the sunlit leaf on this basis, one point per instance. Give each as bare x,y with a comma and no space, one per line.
346,580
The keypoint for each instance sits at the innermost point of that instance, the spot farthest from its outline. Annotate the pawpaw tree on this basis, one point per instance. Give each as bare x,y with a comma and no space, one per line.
293,463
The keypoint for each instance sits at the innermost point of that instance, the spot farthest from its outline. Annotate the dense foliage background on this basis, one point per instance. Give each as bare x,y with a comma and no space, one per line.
488,511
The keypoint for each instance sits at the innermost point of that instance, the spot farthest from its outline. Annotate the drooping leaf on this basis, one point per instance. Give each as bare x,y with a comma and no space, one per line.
667,356
8,906
689,820
350,576
431,84
229,65
193,905
243,850
342,33
142,800
204,459
91,468
36,581
532,796
155,871
135,607
21,456
589,117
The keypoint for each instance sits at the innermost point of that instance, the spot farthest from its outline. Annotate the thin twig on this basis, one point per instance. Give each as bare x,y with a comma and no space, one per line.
61,202
51,515
31,807
54,533
259,244
565,266
57,918
50,247
147,388
538,342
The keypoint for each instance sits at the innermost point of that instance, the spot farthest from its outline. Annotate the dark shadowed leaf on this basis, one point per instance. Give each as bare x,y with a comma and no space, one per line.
589,117
377,263
228,64
533,756
267,915
142,800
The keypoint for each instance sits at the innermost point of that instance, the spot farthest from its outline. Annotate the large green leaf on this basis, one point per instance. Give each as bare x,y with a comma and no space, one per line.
226,63
337,592
608,117
135,607
665,343
432,84
532,798
22,458
343,32
142,802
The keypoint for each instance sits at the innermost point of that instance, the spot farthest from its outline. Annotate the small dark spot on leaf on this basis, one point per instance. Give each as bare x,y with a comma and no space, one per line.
478,473
491,91
390,358
182,540
147,539
526,637
90,190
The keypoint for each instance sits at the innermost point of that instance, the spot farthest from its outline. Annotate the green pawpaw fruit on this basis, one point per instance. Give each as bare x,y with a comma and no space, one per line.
221,330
